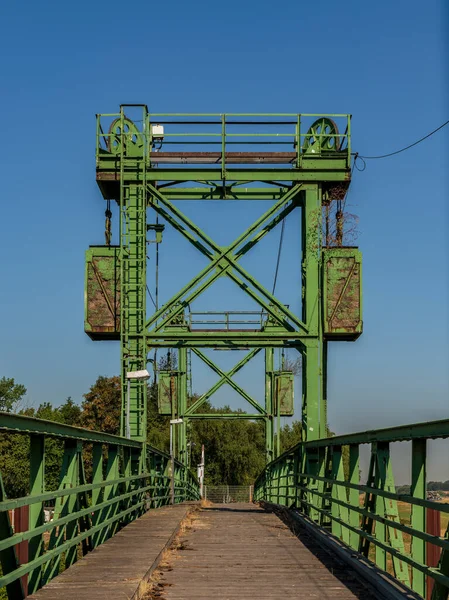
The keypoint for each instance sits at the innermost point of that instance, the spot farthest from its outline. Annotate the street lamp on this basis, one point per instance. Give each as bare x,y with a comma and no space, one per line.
172,459
142,375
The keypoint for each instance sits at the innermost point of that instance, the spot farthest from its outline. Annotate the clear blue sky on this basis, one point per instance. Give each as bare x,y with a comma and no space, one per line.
383,62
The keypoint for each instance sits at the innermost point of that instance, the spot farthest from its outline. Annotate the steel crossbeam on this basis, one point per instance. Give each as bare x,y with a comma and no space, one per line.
224,261
225,378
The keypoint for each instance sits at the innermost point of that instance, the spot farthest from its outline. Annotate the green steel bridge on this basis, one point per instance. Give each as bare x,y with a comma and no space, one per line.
150,164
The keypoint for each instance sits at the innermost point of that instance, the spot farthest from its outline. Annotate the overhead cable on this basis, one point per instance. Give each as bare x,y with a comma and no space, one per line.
357,155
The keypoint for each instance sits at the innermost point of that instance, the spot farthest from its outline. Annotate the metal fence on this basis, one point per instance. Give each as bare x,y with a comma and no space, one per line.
320,480
225,494
124,479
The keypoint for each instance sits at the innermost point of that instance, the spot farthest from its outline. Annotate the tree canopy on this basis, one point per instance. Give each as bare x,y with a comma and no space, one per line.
235,448
10,393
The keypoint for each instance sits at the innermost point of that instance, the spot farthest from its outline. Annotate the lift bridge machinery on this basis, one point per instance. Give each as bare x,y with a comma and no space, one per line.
296,162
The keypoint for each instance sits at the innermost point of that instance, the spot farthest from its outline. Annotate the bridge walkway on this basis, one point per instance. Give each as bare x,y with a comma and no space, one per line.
117,569
239,551
222,552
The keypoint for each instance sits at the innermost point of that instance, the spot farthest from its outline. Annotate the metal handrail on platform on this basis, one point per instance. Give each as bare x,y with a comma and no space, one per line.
167,138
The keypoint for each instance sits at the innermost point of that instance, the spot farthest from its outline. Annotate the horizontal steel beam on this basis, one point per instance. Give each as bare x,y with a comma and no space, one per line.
231,335
228,345
321,172
203,158
238,193
22,424
227,416
430,430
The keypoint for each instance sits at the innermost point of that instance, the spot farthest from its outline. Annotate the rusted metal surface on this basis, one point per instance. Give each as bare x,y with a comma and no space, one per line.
119,567
203,158
21,523
242,551
433,527
342,288
284,392
102,293
166,392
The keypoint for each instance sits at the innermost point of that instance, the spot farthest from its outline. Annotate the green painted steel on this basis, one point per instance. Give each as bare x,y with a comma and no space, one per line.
148,162
284,385
127,479
167,391
325,488
102,293
342,293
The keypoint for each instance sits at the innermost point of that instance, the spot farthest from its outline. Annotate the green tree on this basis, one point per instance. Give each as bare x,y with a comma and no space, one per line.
70,412
15,450
290,435
101,407
235,449
10,393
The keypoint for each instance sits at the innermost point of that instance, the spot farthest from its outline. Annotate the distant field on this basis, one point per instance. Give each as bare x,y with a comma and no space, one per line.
405,512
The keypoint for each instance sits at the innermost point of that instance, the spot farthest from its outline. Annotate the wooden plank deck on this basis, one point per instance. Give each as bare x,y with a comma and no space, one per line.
242,551
114,570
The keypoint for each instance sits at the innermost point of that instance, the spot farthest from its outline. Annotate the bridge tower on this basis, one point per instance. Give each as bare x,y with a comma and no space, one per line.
145,163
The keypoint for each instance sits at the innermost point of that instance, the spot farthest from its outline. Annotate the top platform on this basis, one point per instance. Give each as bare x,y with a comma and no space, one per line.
218,147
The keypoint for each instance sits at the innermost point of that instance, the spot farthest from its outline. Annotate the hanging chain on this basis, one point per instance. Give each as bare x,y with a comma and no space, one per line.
107,227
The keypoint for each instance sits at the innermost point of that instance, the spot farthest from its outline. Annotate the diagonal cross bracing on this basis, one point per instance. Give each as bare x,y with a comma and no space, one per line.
226,378
224,259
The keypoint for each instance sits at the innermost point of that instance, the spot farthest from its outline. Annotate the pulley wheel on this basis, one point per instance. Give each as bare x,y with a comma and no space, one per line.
129,140
322,135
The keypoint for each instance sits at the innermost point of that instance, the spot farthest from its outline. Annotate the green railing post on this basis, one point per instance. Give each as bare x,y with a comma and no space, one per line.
339,493
354,495
36,510
8,556
418,516
97,493
64,506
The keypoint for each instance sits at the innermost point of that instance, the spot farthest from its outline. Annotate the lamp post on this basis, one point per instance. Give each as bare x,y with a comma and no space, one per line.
172,459
137,376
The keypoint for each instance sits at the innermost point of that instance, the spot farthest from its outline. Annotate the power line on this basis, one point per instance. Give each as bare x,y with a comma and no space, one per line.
406,147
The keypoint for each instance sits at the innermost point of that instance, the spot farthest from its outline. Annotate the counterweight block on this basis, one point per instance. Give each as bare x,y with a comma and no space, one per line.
342,293
102,293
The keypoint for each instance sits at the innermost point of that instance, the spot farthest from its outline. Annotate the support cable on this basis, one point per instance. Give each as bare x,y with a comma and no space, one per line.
281,239
151,297
405,148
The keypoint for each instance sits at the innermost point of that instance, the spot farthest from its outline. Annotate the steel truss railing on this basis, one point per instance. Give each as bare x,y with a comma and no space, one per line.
240,132
321,480
125,479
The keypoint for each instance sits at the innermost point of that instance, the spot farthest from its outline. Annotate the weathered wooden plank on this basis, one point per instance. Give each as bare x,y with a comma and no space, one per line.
241,551
115,569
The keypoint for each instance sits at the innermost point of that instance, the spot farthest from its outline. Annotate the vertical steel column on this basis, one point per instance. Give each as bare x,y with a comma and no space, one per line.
418,517
182,404
36,515
269,420
133,258
354,479
313,409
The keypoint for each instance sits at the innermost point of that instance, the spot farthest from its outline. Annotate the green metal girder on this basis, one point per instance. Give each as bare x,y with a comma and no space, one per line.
228,193
116,500
217,254
381,527
320,170
267,221
229,416
222,381
22,424
127,174
226,379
